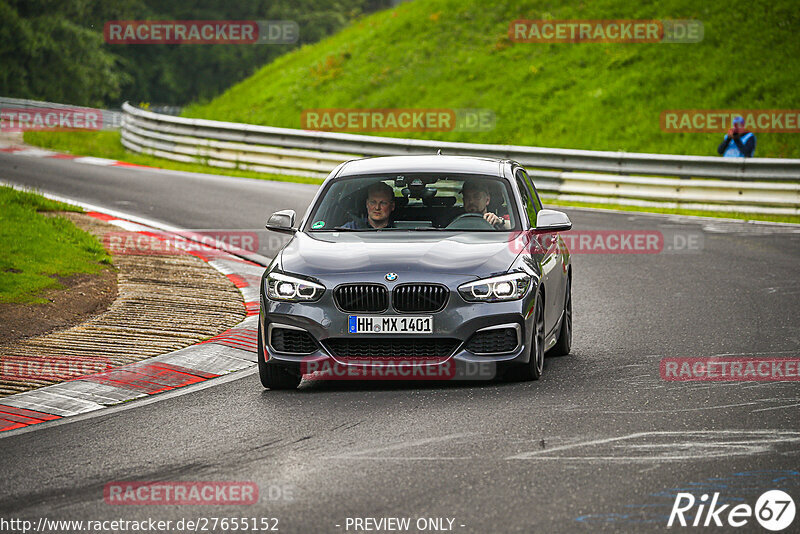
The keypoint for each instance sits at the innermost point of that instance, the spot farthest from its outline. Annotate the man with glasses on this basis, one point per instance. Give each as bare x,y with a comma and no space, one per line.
380,205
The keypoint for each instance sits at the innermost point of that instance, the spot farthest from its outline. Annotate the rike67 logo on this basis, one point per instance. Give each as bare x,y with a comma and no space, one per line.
774,510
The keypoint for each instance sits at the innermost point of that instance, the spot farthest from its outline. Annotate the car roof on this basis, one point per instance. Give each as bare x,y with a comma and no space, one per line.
424,163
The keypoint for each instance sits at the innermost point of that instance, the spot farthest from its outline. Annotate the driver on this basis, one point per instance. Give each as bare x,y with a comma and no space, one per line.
476,200
380,205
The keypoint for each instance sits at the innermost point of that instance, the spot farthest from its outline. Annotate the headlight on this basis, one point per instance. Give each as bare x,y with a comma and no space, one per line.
498,288
287,288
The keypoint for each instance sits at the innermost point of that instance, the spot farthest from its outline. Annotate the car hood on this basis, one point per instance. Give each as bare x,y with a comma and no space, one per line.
474,254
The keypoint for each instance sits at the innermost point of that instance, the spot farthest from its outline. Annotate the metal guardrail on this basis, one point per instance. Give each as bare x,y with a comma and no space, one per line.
755,185
112,118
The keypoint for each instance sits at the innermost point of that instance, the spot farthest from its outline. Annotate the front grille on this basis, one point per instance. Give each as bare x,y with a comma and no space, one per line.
290,340
419,297
362,298
391,347
493,341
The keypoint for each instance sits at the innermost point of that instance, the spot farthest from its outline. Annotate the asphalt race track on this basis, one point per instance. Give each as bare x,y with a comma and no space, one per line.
602,442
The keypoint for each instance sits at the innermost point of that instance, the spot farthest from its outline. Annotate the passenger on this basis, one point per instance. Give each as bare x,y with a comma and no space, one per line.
477,199
380,205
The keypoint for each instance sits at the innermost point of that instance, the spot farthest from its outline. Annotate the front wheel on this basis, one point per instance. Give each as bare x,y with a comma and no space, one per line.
274,376
535,367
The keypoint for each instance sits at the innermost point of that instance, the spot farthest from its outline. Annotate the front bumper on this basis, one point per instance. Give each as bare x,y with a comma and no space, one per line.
458,321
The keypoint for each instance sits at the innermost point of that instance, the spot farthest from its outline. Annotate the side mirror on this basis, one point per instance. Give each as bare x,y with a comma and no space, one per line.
282,221
552,221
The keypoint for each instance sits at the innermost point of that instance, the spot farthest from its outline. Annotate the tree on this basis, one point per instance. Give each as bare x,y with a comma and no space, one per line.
48,56
54,49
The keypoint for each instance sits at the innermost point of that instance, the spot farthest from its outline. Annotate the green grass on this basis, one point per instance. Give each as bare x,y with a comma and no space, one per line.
37,249
794,219
457,54
106,144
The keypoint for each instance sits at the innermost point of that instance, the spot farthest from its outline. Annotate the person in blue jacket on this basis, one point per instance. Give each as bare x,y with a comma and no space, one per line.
738,142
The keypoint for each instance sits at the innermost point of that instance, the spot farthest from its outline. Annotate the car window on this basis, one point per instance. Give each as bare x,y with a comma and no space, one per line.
535,194
527,197
415,202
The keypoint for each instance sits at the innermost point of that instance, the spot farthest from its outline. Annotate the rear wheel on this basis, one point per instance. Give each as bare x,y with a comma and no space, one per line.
274,376
564,344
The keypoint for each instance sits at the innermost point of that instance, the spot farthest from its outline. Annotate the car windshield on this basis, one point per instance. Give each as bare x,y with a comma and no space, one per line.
415,202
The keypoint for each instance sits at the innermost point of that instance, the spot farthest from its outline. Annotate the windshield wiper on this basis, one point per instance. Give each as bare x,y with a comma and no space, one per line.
331,230
409,229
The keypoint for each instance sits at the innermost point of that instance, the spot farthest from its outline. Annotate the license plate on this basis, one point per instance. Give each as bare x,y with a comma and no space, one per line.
393,324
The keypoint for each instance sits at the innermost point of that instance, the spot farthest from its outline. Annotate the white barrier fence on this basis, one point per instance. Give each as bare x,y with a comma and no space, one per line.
111,118
755,185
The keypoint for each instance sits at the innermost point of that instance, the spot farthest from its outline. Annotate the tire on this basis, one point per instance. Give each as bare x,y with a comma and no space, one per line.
535,367
274,376
564,344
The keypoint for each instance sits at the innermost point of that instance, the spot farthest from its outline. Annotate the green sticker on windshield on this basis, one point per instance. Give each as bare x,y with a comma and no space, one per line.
317,225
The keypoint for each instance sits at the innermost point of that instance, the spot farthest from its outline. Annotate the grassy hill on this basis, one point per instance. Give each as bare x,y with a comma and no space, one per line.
457,54
38,250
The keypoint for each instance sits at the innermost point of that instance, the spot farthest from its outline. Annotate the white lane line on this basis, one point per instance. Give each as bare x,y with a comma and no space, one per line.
767,436
130,226
676,410
644,459
529,454
34,152
95,161
45,401
776,408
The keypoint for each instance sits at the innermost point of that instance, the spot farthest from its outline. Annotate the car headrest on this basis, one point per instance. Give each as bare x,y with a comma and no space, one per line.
496,194
439,201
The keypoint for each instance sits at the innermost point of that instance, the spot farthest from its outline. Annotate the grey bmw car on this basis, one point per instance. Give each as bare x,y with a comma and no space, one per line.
418,264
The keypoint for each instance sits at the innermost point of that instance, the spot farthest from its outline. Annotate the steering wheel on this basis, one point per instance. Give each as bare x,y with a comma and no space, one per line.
470,221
